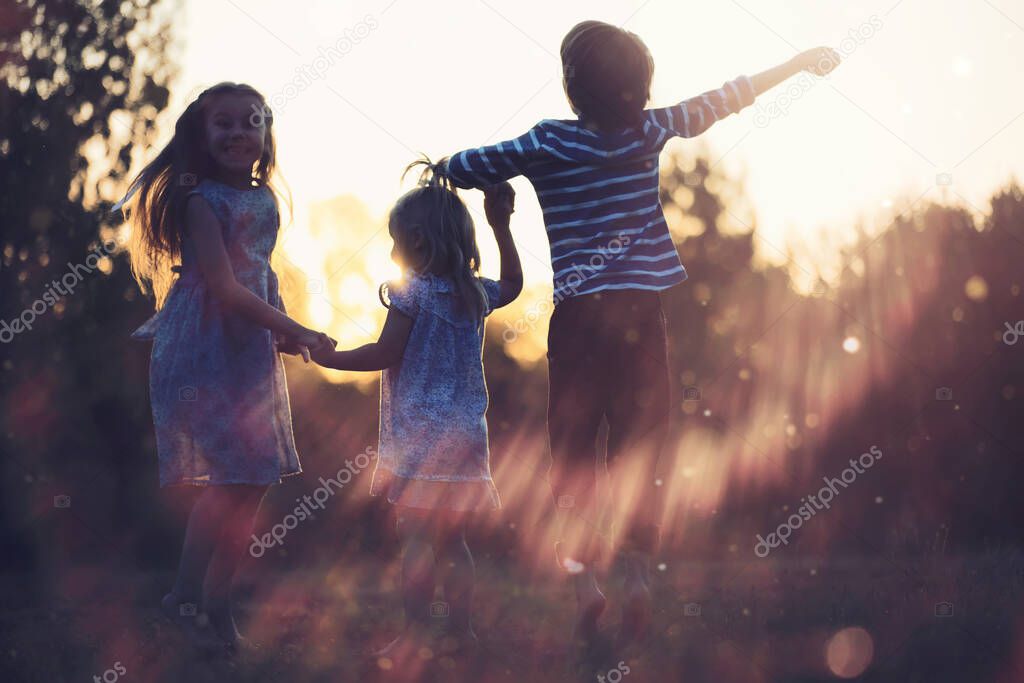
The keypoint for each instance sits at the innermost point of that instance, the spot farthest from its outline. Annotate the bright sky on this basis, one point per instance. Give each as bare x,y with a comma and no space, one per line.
926,90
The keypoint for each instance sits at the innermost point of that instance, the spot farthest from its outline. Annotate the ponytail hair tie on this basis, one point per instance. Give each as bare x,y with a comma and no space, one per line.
433,175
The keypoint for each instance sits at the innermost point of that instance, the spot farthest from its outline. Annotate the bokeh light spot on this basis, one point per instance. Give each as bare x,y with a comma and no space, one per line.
849,652
976,288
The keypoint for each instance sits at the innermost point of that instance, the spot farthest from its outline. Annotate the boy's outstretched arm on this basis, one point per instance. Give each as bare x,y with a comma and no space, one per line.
819,61
695,115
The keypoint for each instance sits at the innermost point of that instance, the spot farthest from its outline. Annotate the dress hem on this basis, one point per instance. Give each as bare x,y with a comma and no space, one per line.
195,483
463,495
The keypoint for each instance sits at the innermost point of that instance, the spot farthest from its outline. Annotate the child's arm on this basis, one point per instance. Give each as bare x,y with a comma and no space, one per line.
205,231
819,61
499,204
695,115
483,166
384,353
289,346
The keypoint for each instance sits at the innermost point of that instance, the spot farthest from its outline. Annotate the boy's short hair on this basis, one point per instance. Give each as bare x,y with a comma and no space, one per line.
607,74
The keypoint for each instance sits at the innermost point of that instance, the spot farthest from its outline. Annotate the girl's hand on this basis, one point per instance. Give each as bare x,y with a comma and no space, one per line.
318,340
499,204
301,344
323,351
321,354
287,345
819,61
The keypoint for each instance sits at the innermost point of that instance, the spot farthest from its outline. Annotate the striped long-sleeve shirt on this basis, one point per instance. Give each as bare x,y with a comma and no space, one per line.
599,191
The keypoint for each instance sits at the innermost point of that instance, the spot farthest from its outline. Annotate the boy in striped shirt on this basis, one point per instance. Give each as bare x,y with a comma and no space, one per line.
611,252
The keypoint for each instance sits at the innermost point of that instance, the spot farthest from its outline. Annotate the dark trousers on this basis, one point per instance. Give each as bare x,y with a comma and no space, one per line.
607,358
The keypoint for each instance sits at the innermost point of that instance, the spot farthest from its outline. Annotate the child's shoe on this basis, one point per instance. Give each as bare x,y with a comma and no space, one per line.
195,625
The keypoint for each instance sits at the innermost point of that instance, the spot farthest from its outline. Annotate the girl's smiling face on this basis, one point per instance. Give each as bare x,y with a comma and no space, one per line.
235,133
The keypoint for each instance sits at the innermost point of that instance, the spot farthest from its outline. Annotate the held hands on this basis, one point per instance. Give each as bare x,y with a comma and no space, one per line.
819,61
305,344
499,204
321,354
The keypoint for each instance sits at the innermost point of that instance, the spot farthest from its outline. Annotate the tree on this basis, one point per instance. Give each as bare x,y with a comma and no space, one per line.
81,84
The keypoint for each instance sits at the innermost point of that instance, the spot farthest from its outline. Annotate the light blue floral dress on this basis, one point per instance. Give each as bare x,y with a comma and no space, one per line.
433,449
217,383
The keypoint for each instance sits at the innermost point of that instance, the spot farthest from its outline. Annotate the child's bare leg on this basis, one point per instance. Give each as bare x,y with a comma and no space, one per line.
415,535
201,536
181,605
590,604
458,575
227,555
417,565
580,551
573,484
636,604
637,540
579,547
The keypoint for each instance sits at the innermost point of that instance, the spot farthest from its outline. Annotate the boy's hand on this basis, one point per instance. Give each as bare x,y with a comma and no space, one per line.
819,61
499,204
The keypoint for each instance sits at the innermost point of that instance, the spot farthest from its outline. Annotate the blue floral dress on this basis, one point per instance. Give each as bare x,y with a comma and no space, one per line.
217,383
433,449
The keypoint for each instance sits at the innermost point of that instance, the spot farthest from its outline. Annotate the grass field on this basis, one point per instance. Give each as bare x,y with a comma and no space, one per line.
764,621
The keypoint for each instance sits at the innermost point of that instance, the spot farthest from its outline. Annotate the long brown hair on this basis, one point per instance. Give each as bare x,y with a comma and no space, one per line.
155,203
435,212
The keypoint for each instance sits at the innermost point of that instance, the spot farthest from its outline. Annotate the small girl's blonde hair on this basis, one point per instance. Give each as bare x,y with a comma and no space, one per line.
435,212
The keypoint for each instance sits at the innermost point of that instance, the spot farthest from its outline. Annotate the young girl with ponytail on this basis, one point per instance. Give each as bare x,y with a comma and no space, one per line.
433,463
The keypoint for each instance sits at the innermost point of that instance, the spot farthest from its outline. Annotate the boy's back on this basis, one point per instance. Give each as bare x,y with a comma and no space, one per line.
599,190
